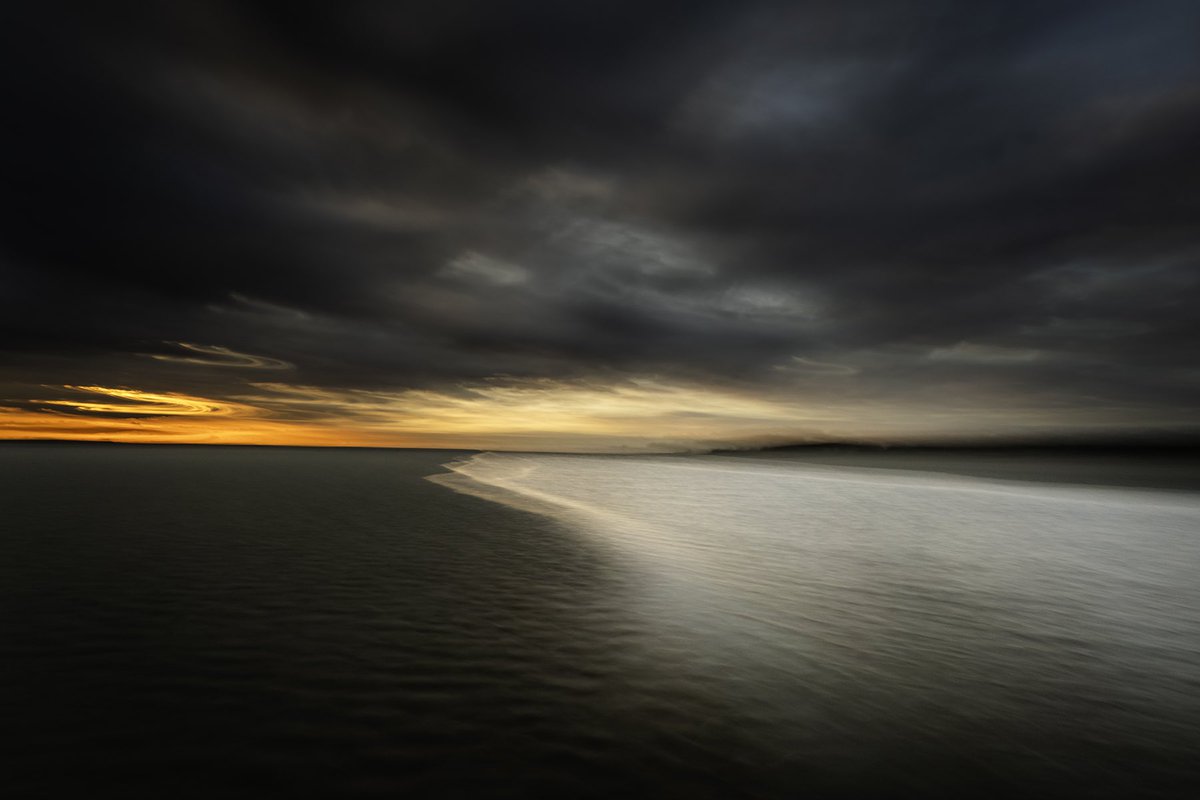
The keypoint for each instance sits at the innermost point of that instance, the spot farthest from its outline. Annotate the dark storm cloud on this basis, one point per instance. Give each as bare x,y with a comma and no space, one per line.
847,199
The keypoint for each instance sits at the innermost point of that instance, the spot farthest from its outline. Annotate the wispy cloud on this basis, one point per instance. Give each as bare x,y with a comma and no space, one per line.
217,356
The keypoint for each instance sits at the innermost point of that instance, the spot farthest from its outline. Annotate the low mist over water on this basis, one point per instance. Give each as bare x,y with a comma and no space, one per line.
200,622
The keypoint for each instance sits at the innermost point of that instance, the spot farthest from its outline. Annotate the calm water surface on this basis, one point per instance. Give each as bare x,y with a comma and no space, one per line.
188,622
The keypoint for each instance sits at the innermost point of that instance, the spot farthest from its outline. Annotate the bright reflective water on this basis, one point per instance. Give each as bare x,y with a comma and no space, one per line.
192,622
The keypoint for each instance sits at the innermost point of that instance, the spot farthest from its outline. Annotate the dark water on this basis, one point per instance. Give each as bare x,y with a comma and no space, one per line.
244,622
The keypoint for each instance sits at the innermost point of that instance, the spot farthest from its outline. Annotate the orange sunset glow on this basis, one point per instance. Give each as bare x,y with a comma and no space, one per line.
640,415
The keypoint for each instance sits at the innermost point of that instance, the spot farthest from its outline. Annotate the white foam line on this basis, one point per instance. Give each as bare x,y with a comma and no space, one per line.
559,505
579,514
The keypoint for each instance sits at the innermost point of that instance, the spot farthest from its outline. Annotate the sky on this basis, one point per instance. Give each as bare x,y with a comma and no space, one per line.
599,226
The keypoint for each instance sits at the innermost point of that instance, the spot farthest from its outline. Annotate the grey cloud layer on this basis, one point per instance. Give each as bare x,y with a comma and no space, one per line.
841,200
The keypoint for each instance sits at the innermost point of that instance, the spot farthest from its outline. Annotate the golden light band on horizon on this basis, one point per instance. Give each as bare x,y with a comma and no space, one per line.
485,416
632,415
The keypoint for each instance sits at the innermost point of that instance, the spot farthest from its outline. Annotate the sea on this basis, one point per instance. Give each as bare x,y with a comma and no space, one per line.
207,621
